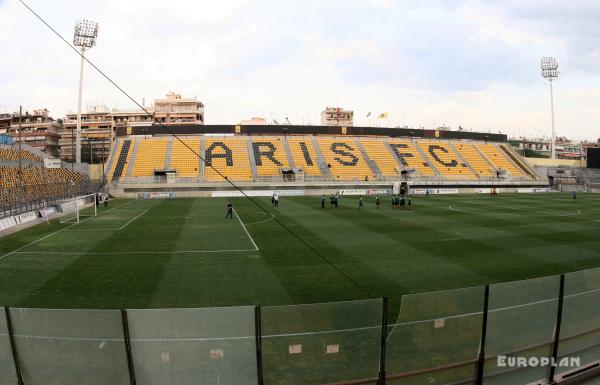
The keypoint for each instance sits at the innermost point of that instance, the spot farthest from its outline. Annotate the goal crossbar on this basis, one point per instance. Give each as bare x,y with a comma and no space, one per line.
76,209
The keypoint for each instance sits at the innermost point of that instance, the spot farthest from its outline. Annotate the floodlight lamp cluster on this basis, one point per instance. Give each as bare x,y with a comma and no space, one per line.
549,68
86,32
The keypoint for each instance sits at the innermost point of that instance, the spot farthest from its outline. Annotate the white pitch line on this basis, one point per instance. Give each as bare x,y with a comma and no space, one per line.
92,229
246,230
263,221
127,224
259,222
54,233
451,207
34,242
569,214
133,252
61,230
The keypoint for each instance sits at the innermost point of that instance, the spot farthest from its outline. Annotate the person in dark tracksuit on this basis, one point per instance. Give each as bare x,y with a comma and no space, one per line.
377,202
360,203
229,211
323,201
409,202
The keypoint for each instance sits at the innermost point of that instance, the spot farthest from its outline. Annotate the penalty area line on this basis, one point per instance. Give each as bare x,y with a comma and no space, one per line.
246,230
56,232
127,224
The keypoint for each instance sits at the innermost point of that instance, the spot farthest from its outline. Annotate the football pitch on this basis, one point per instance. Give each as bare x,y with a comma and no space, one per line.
184,253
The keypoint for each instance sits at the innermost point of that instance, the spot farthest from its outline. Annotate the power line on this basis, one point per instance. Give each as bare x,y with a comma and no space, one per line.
170,132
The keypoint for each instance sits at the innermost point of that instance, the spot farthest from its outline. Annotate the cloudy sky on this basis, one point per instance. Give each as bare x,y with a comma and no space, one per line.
427,63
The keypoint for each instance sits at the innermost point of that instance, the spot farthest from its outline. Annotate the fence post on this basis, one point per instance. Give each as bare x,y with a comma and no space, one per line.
481,359
383,341
13,346
258,337
128,347
559,310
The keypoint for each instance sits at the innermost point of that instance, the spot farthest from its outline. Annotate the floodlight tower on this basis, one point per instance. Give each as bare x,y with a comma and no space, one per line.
549,67
86,33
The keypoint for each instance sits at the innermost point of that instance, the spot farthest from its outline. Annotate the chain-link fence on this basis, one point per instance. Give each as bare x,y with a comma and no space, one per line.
533,331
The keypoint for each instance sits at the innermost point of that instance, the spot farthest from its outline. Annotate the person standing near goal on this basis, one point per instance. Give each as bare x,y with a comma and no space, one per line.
105,200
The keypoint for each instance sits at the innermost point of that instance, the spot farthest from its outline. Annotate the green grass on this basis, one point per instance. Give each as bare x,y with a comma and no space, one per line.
184,254
351,254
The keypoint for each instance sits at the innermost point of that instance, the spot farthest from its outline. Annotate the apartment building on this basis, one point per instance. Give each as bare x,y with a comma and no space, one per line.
336,116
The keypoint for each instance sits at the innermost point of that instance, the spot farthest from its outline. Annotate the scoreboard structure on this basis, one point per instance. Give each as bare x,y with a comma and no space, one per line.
593,157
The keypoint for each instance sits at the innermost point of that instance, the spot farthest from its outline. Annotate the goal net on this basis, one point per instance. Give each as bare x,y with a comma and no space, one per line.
77,209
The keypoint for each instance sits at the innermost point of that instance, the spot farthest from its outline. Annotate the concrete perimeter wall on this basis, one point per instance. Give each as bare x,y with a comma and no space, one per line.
299,189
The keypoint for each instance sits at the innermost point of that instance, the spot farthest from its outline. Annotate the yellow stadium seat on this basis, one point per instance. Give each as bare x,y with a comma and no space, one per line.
183,160
474,159
344,159
410,157
150,156
378,152
499,160
445,160
305,156
229,156
269,155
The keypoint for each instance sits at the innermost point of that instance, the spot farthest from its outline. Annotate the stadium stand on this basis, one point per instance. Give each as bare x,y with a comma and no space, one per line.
499,160
305,156
124,155
184,161
344,159
34,184
269,155
517,161
446,161
470,154
13,154
118,147
408,157
350,158
230,157
379,153
150,157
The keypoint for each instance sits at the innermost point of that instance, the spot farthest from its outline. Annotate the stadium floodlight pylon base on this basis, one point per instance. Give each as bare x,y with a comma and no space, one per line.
78,209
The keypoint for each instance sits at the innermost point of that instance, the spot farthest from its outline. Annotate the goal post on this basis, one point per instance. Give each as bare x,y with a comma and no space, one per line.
76,209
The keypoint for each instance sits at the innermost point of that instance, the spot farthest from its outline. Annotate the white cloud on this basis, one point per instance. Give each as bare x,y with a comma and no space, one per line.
468,63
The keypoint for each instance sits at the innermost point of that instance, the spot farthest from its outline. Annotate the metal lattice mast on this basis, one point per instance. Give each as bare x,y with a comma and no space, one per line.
86,33
549,67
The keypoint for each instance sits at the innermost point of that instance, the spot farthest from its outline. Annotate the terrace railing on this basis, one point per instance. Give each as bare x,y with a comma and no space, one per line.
31,197
161,179
506,333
